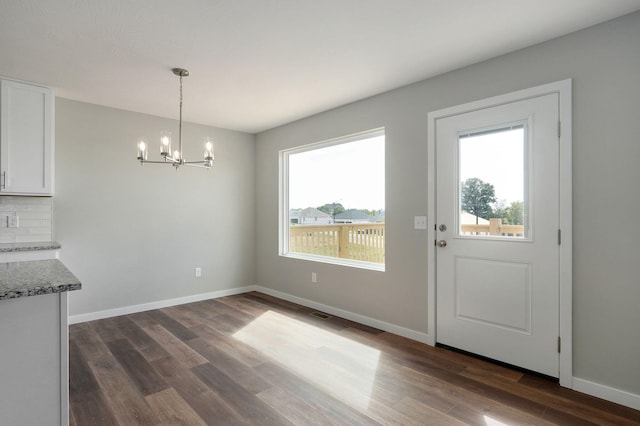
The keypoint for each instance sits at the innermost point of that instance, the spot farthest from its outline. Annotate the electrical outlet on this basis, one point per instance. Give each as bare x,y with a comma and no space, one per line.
198,272
314,277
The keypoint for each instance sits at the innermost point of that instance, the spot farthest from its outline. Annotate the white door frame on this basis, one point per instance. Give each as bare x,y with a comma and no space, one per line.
563,88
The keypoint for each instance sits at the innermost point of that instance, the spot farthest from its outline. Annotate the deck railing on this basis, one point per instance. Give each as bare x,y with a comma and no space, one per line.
494,227
358,241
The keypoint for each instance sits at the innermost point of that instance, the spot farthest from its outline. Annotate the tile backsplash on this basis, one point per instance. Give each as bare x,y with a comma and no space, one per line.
34,219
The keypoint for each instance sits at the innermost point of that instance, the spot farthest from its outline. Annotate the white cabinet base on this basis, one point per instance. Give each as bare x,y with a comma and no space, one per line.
34,360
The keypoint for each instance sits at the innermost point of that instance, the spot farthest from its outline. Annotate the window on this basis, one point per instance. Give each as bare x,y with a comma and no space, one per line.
332,205
493,182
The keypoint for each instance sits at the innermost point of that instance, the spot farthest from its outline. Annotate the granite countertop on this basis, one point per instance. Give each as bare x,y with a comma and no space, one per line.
31,278
13,247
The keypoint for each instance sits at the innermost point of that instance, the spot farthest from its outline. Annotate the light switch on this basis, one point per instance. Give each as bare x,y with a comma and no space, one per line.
12,222
420,222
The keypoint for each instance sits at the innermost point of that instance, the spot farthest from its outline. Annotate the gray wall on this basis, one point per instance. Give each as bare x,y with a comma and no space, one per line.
133,234
604,63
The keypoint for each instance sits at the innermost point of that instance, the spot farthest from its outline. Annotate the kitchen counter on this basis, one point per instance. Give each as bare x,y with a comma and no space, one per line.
32,278
14,247
21,252
34,360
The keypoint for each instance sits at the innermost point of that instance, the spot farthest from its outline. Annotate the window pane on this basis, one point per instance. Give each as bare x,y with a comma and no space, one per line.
336,199
492,182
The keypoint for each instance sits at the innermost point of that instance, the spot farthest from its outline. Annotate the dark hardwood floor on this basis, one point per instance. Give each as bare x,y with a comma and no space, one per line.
253,359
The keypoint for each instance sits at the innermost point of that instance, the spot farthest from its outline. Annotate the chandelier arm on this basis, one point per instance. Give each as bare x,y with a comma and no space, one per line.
200,164
156,162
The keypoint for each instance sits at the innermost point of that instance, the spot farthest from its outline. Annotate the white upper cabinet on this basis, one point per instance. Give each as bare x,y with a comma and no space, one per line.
26,139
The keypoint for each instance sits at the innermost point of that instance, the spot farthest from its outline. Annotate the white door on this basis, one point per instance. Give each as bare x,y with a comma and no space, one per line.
497,217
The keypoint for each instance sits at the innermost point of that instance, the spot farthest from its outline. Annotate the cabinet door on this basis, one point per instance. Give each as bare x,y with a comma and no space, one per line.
26,139
31,392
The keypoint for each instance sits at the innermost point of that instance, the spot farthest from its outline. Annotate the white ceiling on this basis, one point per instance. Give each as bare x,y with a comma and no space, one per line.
256,64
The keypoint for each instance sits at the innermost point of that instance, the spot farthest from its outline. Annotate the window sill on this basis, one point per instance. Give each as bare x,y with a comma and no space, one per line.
372,266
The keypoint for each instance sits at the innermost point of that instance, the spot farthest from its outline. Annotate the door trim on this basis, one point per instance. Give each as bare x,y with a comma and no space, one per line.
563,89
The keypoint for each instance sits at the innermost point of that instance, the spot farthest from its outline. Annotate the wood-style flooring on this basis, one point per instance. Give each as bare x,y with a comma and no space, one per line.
252,359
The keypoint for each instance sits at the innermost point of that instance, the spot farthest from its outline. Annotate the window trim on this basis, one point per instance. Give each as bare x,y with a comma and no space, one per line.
284,208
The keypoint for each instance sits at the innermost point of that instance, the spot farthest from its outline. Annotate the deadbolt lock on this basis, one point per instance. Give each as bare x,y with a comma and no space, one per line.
442,227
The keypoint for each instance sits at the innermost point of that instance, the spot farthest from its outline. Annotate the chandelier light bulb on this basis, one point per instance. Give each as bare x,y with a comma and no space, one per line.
165,143
208,150
142,149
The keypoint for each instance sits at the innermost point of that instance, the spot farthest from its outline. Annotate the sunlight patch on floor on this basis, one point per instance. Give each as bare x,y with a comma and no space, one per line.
340,366
490,421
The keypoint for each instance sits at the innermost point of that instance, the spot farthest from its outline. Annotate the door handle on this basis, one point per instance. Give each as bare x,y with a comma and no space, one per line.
442,243
4,180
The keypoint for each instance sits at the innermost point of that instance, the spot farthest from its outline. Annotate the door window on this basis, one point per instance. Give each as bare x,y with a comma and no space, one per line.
492,182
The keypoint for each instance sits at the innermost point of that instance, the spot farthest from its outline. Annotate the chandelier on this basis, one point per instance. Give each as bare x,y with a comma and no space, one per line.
175,158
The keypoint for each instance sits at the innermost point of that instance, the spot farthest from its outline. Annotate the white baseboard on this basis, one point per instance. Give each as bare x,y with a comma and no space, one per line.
618,396
75,319
385,326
